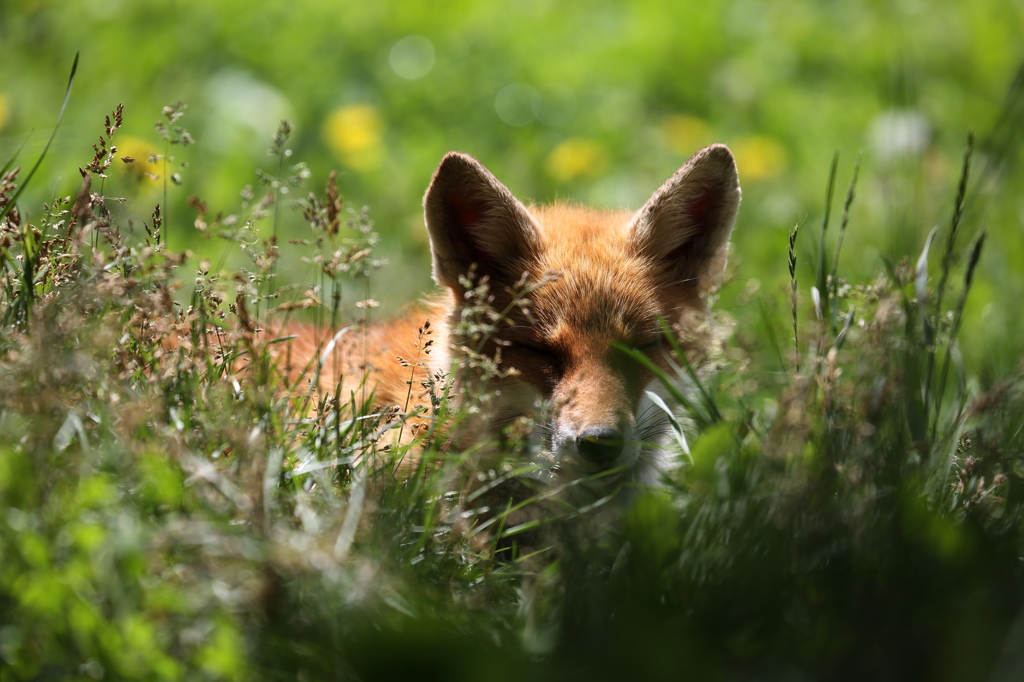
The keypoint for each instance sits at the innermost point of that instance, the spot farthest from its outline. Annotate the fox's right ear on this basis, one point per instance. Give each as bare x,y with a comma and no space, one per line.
473,219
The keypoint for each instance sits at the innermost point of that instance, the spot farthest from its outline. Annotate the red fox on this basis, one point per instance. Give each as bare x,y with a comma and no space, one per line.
587,279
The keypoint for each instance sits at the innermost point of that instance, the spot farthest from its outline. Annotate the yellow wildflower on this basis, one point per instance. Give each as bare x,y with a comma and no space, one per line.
354,134
686,134
576,157
145,165
759,157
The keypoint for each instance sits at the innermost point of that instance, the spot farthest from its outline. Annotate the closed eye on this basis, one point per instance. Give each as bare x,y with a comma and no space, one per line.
648,346
538,350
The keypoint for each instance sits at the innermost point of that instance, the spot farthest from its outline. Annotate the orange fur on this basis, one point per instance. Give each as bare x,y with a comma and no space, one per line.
594,278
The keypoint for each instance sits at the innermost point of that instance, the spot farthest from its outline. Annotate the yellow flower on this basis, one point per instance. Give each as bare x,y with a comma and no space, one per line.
354,134
759,157
145,165
576,157
686,134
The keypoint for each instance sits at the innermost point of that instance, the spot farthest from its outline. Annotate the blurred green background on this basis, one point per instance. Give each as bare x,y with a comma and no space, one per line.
597,102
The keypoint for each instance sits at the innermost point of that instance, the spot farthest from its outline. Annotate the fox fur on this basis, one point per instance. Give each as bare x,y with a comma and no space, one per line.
592,278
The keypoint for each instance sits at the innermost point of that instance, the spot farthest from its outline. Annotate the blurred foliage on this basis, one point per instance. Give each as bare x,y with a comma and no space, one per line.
851,514
596,102
843,512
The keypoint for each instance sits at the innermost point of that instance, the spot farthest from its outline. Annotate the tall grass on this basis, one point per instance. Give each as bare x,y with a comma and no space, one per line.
179,503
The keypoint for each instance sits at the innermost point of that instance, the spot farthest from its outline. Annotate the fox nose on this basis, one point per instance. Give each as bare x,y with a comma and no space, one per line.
600,445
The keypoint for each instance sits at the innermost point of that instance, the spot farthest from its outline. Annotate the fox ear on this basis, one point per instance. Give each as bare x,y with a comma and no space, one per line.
685,225
473,219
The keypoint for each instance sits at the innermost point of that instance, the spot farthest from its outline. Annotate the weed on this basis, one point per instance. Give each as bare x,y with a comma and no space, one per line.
181,499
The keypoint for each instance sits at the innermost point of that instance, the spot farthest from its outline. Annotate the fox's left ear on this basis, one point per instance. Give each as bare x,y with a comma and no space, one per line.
685,225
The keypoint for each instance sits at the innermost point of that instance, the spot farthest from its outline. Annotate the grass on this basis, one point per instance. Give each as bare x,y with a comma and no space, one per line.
169,515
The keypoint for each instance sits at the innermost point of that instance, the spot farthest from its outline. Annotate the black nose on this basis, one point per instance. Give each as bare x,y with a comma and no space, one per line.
600,445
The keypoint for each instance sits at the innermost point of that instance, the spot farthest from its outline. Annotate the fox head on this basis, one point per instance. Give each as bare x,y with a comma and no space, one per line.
605,278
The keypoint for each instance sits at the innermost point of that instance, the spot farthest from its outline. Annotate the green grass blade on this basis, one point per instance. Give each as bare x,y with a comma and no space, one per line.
14,157
793,295
677,428
921,287
706,398
21,188
773,338
958,317
846,327
702,420
954,227
821,280
850,193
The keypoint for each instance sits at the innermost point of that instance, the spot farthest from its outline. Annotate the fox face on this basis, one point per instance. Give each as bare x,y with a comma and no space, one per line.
592,281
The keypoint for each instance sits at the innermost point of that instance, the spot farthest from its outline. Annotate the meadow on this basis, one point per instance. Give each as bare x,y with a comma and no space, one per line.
846,501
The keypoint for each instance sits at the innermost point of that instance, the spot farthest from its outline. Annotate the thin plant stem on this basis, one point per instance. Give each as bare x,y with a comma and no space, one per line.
793,294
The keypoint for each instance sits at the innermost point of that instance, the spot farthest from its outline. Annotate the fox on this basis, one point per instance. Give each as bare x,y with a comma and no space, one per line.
575,285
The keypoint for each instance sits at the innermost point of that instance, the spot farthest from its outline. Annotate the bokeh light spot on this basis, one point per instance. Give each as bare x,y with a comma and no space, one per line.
897,133
354,134
759,157
557,105
517,104
686,134
412,57
576,157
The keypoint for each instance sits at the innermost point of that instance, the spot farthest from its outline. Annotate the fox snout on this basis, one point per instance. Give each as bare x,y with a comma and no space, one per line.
597,446
594,423
600,446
